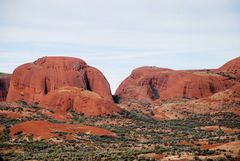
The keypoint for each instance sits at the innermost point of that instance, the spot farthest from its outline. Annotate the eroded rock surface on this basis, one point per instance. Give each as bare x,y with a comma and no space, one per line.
44,82
149,84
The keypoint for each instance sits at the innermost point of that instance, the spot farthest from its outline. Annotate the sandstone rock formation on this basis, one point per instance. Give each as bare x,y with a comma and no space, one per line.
4,85
79,100
231,68
224,101
152,84
43,80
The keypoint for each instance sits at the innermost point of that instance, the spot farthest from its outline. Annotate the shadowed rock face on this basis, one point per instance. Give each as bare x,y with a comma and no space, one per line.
33,82
149,84
4,85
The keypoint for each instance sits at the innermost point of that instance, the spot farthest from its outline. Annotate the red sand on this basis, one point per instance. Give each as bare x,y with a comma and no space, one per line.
210,146
9,114
44,129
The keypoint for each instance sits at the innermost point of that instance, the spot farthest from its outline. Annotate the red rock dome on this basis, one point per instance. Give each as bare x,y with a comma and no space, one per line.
151,84
46,77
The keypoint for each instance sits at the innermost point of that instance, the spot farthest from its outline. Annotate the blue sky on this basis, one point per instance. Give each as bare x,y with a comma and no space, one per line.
118,36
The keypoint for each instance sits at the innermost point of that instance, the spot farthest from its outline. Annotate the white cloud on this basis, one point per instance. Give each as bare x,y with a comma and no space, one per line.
138,32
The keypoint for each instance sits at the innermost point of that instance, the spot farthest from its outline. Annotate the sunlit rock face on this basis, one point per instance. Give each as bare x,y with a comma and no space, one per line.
44,82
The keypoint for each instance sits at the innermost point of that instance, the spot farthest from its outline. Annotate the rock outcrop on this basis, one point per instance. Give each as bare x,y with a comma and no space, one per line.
231,68
4,85
172,94
151,84
224,101
79,100
43,82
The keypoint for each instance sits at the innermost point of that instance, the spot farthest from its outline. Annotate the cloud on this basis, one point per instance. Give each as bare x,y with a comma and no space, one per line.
121,34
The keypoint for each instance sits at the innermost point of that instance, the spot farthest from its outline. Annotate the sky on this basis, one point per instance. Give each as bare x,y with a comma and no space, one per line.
118,36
